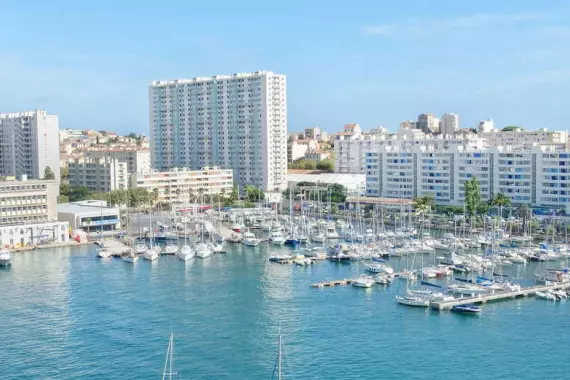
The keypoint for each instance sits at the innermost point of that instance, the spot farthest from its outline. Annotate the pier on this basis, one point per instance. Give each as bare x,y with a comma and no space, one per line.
330,284
443,305
114,246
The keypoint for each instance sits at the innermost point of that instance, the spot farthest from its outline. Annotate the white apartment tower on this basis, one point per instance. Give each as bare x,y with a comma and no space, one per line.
449,124
234,121
29,142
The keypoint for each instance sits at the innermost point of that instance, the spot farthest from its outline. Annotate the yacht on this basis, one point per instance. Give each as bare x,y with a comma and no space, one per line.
380,268
383,279
102,253
363,282
202,251
170,249
250,240
281,259
277,238
216,247
151,254
469,308
331,233
185,253
5,258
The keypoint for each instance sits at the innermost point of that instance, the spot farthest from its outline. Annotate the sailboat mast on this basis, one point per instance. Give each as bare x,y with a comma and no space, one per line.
279,359
171,353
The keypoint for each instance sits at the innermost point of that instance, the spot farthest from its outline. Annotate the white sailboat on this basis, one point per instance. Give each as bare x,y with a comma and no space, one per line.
186,252
250,240
168,370
203,251
103,253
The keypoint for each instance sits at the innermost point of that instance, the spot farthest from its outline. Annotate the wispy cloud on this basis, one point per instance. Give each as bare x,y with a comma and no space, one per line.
465,22
376,30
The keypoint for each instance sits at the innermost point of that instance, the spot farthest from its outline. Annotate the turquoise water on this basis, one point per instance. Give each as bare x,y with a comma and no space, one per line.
66,314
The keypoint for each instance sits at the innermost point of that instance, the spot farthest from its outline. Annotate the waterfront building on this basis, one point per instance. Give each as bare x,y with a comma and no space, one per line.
107,169
355,184
449,124
234,121
181,185
29,142
28,213
89,215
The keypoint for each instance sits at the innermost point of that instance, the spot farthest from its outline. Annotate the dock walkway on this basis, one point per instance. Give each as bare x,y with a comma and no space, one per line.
114,246
442,305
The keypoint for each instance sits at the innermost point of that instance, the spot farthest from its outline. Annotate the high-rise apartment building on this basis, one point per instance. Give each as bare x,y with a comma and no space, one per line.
449,124
29,142
234,121
428,123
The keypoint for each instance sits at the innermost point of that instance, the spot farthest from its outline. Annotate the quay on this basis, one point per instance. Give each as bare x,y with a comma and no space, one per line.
330,284
114,246
530,291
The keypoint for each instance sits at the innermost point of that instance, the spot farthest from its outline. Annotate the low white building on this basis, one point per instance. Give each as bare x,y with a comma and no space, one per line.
355,184
26,234
90,215
181,185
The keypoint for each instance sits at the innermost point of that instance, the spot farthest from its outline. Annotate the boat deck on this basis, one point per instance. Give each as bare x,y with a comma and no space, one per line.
114,246
443,305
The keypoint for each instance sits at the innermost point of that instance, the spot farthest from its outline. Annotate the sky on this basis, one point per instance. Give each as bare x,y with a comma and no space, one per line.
375,63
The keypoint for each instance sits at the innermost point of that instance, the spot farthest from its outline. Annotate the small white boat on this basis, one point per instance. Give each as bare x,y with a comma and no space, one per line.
277,238
151,254
170,249
363,282
380,268
318,237
5,258
185,253
102,253
130,257
546,296
413,301
202,251
140,248
216,247
250,240
383,279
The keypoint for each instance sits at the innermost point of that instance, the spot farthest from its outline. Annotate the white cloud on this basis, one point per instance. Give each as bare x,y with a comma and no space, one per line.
377,30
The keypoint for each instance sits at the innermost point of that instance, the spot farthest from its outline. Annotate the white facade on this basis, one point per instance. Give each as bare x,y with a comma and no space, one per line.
105,170
539,176
355,184
183,185
449,124
521,138
234,121
90,215
27,202
29,142
23,235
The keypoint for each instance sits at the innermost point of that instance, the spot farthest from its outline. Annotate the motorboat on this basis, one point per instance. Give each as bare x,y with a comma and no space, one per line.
5,258
203,251
546,296
250,240
277,238
281,259
170,249
408,275
380,268
103,253
216,247
302,261
410,300
235,238
383,279
318,237
469,308
151,254
185,253
363,282
130,257
331,233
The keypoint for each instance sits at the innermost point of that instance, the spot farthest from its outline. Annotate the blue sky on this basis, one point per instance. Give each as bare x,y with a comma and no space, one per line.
369,62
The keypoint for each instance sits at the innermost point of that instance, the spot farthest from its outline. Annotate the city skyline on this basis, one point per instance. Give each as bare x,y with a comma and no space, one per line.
364,64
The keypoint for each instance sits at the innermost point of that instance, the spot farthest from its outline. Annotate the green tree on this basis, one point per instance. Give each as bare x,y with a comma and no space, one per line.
88,221
62,199
64,172
525,213
235,193
337,193
253,194
423,204
48,173
500,201
79,193
65,189
509,128
472,196
325,165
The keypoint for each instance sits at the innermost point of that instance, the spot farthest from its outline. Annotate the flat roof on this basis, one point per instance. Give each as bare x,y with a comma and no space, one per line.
94,209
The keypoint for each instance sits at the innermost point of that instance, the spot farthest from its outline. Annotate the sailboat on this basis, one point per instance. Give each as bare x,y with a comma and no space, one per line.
152,253
186,252
168,372
5,258
278,367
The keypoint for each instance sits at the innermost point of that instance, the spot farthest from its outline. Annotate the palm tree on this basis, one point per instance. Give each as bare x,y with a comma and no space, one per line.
524,212
88,221
191,195
154,195
178,191
201,192
500,200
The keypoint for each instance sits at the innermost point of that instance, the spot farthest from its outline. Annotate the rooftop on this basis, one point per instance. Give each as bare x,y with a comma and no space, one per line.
207,79
88,207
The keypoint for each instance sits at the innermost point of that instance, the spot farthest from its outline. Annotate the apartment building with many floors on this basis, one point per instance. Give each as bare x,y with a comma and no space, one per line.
234,121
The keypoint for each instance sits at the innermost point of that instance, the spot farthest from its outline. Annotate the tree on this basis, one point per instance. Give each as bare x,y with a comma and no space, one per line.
64,172
88,221
525,213
472,196
325,164
499,201
153,196
510,128
178,192
422,205
79,193
48,173
235,193
65,189
253,194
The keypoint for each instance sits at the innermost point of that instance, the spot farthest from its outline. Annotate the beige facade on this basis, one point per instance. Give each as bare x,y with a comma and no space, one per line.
27,201
181,185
